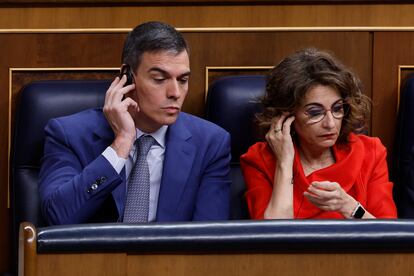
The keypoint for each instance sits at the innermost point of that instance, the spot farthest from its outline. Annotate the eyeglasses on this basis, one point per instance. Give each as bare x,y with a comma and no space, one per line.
317,112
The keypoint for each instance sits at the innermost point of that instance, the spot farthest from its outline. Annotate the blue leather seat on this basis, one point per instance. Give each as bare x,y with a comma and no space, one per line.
232,102
37,103
403,156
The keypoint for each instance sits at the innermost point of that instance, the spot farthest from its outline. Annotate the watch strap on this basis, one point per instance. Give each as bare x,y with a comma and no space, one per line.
359,212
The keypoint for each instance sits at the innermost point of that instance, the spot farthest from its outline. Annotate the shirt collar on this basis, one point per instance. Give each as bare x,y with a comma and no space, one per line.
158,135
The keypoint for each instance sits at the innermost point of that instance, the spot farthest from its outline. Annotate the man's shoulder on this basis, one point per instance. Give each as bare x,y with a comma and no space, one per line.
209,139
83,118
81,124
81,128
194,123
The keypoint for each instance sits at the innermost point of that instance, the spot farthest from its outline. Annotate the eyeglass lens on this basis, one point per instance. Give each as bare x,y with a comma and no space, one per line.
316,112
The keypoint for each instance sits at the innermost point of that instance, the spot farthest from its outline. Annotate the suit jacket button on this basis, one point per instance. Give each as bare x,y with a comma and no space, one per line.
103,179
94,186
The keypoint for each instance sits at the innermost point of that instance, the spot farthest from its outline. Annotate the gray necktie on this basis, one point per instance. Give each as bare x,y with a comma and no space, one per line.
137,202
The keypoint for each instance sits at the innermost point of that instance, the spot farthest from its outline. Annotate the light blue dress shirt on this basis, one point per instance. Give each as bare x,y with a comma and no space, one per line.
155,159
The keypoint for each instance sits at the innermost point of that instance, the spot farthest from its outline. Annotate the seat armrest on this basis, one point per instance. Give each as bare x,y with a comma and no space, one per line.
231,236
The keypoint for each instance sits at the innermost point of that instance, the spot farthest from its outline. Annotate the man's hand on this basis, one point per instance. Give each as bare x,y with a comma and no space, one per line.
117,112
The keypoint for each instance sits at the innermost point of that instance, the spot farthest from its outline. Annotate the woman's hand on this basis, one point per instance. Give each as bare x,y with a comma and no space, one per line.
329,196
117,112
279,139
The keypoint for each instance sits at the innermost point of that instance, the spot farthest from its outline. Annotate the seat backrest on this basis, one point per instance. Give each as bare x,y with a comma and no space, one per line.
232,102
37,103
402,172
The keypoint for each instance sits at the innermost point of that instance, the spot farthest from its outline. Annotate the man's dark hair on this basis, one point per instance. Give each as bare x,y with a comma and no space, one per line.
151,37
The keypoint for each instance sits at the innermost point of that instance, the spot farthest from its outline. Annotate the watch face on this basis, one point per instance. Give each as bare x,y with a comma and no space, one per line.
359,213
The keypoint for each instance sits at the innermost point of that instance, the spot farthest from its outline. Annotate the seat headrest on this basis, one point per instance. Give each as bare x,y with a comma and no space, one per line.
40,101
232,103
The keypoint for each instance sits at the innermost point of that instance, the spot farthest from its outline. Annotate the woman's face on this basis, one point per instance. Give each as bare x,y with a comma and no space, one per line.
319,118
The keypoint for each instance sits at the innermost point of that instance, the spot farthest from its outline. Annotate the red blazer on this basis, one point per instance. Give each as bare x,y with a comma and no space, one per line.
360,168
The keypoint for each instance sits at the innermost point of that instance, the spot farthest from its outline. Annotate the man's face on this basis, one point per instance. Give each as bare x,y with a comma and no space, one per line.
161,82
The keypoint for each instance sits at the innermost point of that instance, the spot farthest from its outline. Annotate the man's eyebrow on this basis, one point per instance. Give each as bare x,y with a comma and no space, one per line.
186,74
159,70
165,73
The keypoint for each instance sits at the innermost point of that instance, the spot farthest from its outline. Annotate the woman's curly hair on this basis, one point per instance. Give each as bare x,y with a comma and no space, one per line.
289,81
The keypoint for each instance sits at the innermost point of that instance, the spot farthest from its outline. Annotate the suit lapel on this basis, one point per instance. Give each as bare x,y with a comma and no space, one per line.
179,157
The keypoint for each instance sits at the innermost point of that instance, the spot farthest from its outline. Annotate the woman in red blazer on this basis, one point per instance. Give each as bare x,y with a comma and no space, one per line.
313,164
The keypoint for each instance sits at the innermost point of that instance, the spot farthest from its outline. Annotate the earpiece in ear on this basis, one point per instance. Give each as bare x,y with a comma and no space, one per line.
126,70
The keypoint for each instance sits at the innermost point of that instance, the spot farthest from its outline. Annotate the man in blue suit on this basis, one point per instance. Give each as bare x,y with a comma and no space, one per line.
89,156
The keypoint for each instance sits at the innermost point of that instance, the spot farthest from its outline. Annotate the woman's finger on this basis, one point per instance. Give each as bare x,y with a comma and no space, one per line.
325,185
287,124
277,123
321,193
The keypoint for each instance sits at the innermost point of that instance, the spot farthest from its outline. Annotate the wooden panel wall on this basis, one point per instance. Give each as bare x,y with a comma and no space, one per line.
231,15
386,61
372,55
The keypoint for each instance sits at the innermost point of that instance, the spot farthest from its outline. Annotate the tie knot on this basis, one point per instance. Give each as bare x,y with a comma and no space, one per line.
144,144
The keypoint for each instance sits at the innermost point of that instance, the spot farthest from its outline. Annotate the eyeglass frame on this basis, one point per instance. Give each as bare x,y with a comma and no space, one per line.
345,108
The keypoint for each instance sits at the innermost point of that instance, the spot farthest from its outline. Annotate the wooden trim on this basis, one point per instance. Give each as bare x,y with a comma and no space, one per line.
400,69
27,250
9,139
203,2
219,29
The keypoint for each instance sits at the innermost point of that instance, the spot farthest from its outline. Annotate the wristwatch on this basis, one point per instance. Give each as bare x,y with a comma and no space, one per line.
359,212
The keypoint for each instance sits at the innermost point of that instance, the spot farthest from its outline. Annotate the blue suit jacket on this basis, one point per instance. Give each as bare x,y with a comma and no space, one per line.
195,182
